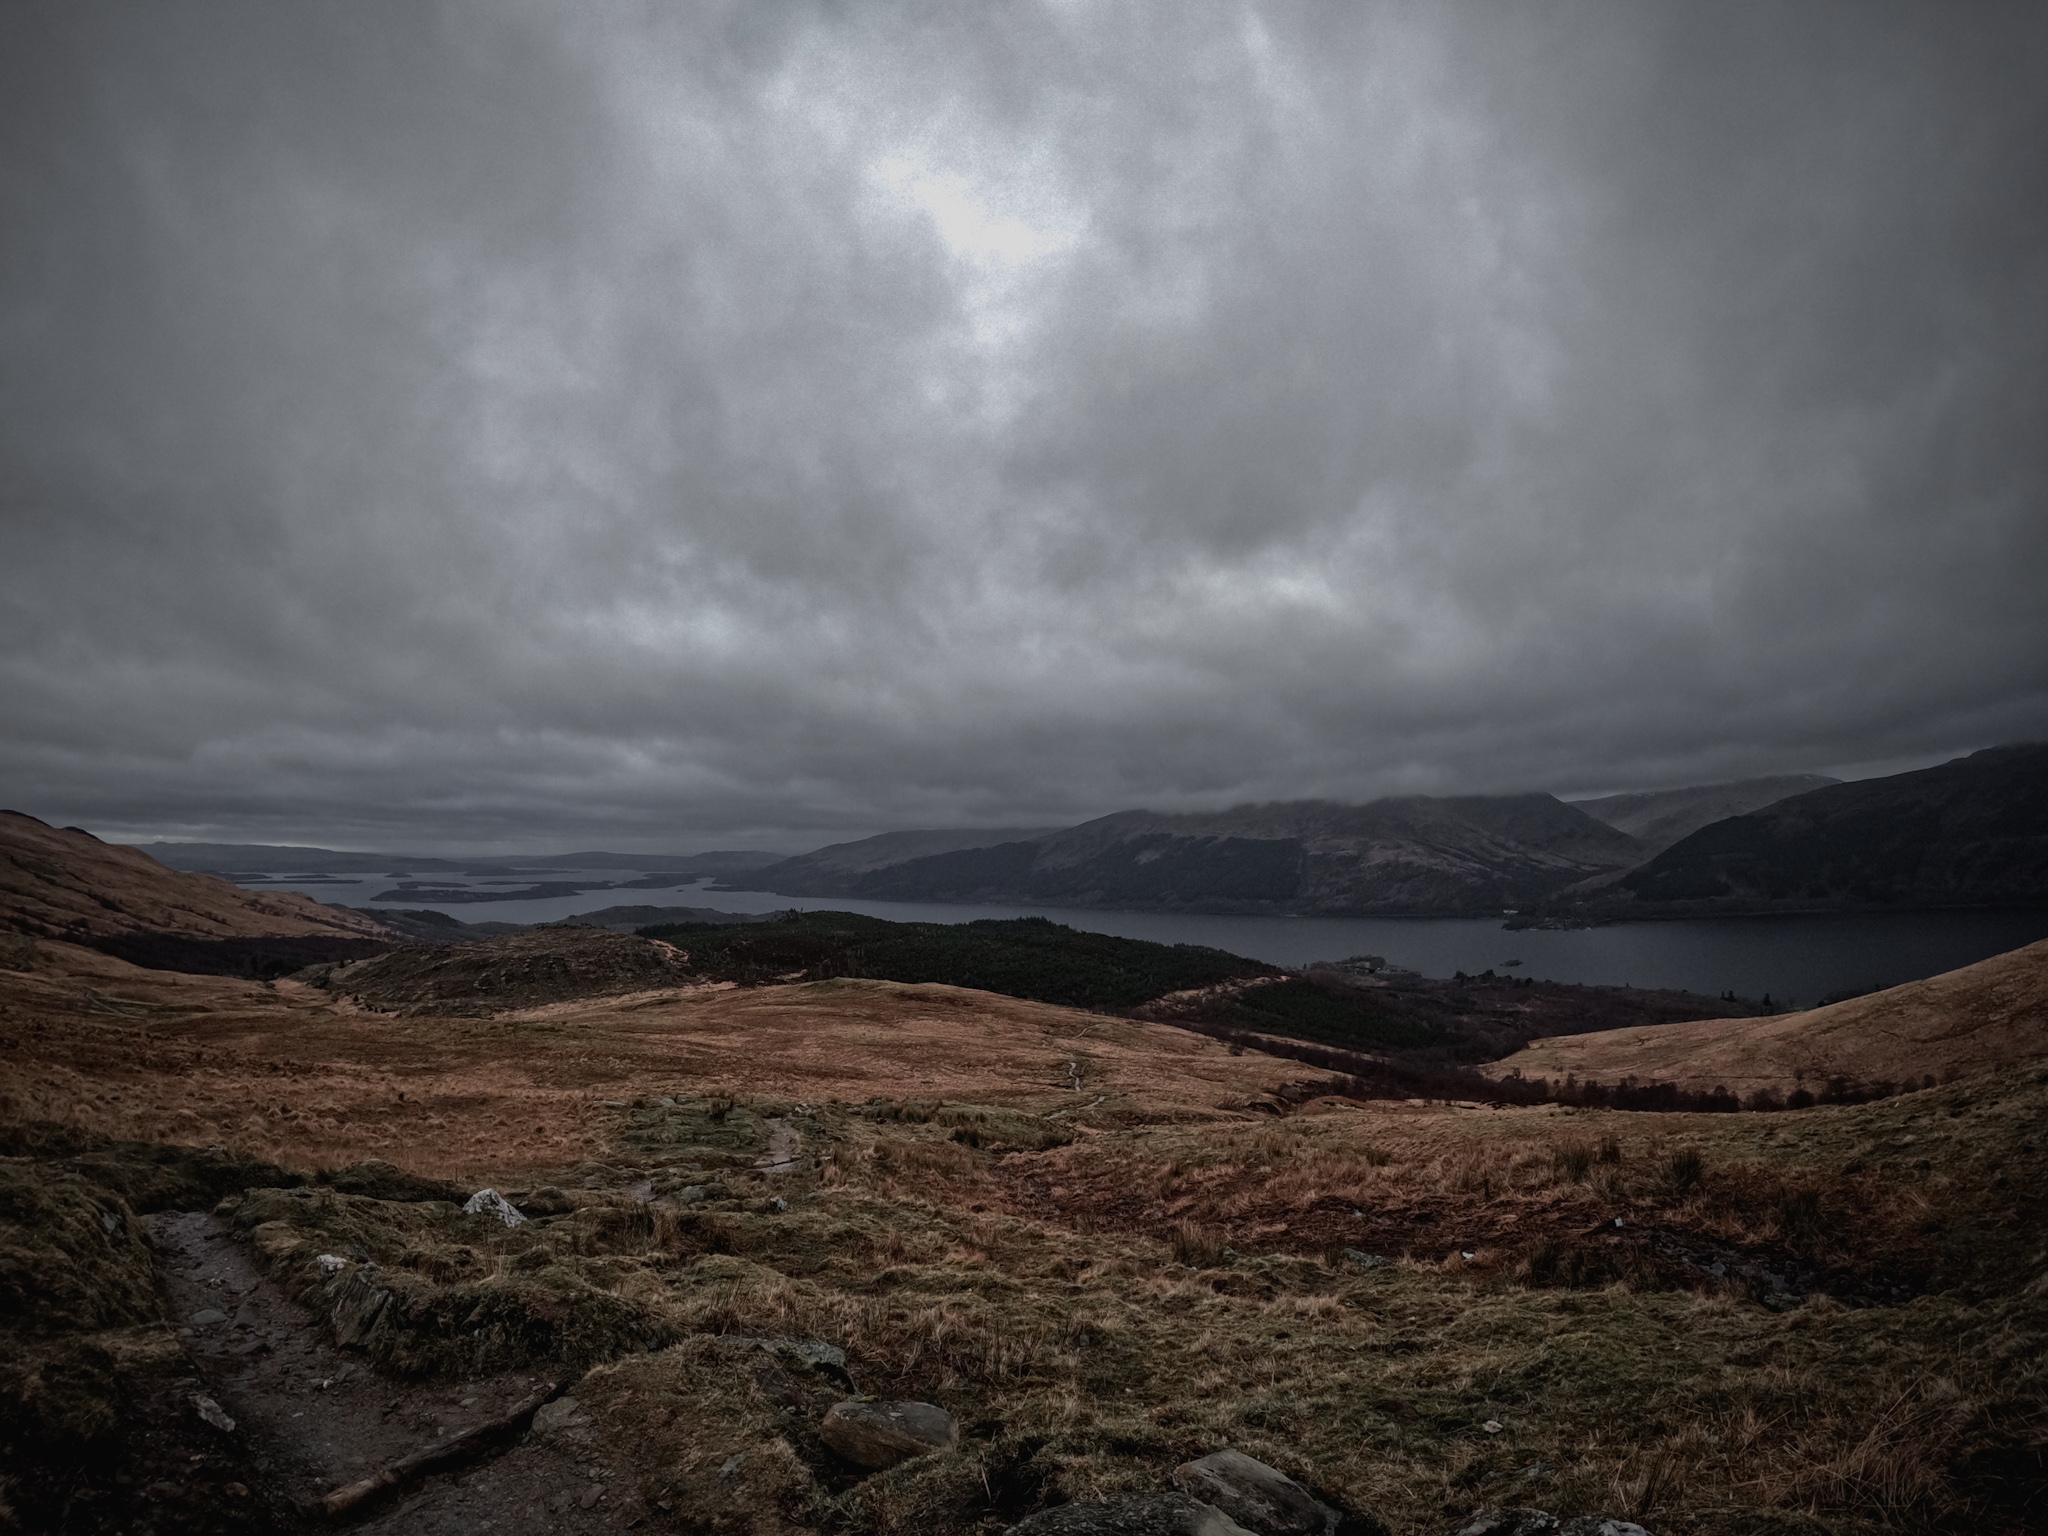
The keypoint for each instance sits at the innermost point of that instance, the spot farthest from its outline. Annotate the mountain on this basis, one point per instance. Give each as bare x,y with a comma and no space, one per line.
266,858
1411,855
1662,817
67,884
834,870
1991,1014
1973,832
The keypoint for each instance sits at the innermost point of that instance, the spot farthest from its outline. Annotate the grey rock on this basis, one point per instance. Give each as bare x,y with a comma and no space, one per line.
1600,1525
1508,1522
883,1435
357,1303
206,1317
488,1202
828,1360
1260,1498
563,1413
245,1316
1363,1260
1165,1514
590,1496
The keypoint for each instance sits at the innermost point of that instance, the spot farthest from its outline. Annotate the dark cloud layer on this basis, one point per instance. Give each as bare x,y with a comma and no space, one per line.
517,425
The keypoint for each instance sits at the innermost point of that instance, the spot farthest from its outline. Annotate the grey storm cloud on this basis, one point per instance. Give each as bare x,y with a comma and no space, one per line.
500,424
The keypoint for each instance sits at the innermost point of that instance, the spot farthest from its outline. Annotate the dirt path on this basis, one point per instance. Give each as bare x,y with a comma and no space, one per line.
312,1417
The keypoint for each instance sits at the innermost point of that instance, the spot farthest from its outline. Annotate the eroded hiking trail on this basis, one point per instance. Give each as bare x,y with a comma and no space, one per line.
310,1417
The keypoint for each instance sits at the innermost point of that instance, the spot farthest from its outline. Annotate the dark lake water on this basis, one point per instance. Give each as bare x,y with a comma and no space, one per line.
1797,960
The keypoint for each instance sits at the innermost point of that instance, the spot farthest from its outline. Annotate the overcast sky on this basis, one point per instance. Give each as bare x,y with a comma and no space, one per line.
537,426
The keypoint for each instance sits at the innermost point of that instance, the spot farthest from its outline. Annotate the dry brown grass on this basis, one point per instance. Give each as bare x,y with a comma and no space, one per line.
1985,1016
286,1072
1077,1307
56,881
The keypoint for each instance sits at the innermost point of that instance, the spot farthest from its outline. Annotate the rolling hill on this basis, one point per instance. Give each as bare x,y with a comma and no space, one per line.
1983,1016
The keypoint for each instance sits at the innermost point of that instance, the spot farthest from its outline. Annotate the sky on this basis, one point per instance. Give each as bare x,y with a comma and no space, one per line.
512,427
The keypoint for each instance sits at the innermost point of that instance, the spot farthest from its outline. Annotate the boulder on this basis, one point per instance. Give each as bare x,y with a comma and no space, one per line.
1165,1514
883,1435
1600,1525
488,1202
1262,1499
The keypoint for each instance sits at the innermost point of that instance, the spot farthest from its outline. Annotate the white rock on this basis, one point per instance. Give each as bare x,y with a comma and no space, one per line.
213,1413
331,1263
488,1202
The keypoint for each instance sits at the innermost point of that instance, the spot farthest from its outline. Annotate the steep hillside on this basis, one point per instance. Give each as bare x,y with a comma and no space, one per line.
1991,1014
1411,855
68,884
1973,832
1660,818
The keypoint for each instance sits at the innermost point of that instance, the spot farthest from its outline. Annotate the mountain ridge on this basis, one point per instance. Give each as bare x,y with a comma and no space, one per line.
1662,817
1401,855
1969,832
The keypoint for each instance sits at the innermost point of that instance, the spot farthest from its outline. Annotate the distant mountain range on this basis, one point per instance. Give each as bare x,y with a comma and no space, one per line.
267,859
1971,832
1414,854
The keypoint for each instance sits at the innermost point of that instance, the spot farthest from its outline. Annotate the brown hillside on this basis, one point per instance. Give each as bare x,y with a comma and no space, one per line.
1991,1014
1420,1309
65,883
294,1072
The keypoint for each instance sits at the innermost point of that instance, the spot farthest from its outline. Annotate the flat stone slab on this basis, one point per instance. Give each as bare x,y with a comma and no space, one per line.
883,1435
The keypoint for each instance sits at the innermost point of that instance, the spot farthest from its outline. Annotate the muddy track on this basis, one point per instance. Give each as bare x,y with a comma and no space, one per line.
310,1417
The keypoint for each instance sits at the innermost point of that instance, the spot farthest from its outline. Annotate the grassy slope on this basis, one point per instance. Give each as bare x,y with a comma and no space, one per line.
1987,1015
1069,1329
64,883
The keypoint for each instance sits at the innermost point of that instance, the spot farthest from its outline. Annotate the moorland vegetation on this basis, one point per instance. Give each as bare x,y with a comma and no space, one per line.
238,1273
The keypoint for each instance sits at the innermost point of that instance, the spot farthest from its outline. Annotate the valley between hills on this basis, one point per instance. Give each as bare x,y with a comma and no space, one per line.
1116,1212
